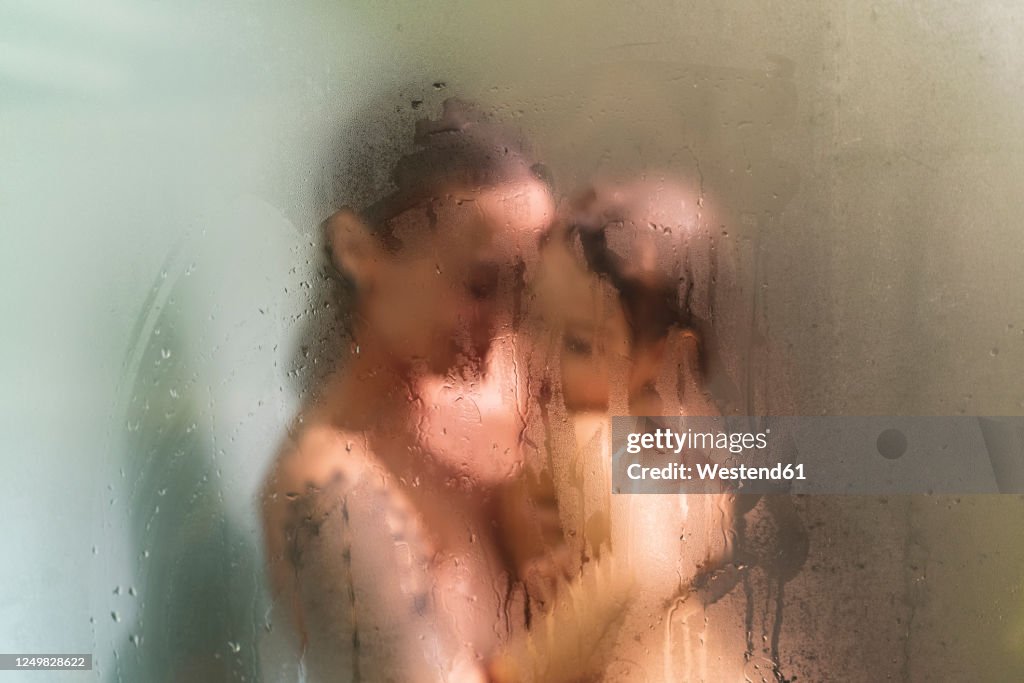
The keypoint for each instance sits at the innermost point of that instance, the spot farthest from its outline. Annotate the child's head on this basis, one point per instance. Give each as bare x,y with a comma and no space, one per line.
614,279
434,263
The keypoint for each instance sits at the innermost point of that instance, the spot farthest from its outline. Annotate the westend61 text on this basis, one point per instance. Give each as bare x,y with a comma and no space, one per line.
713,472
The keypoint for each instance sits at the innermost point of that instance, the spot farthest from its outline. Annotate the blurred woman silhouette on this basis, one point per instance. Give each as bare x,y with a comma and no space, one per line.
386,512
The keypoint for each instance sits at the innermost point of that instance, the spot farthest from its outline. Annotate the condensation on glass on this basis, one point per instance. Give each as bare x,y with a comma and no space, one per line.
287,440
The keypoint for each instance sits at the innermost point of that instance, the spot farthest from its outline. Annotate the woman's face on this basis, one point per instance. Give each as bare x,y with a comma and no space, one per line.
443,296
446,303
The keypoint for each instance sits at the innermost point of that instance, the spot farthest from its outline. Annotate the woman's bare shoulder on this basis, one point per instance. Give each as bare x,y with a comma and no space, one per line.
321,467
317,454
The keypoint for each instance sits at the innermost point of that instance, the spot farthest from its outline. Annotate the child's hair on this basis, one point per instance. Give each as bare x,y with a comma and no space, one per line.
650,299
461,149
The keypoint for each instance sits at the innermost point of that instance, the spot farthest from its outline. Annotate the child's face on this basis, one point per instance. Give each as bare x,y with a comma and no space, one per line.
448,290
585,313
600,365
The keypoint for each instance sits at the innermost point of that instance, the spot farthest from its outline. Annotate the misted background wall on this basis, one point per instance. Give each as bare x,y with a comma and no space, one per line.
163,174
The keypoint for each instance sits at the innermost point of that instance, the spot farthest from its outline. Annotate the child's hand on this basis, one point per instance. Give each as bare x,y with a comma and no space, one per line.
527,514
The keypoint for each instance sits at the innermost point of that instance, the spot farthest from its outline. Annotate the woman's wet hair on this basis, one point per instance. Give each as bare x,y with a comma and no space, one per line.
461,149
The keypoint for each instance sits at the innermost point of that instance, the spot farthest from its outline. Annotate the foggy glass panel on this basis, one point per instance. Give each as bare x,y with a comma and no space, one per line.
845,182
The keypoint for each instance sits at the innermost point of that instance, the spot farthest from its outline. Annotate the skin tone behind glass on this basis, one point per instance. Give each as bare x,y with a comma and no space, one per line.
627,286
617,272
394,520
